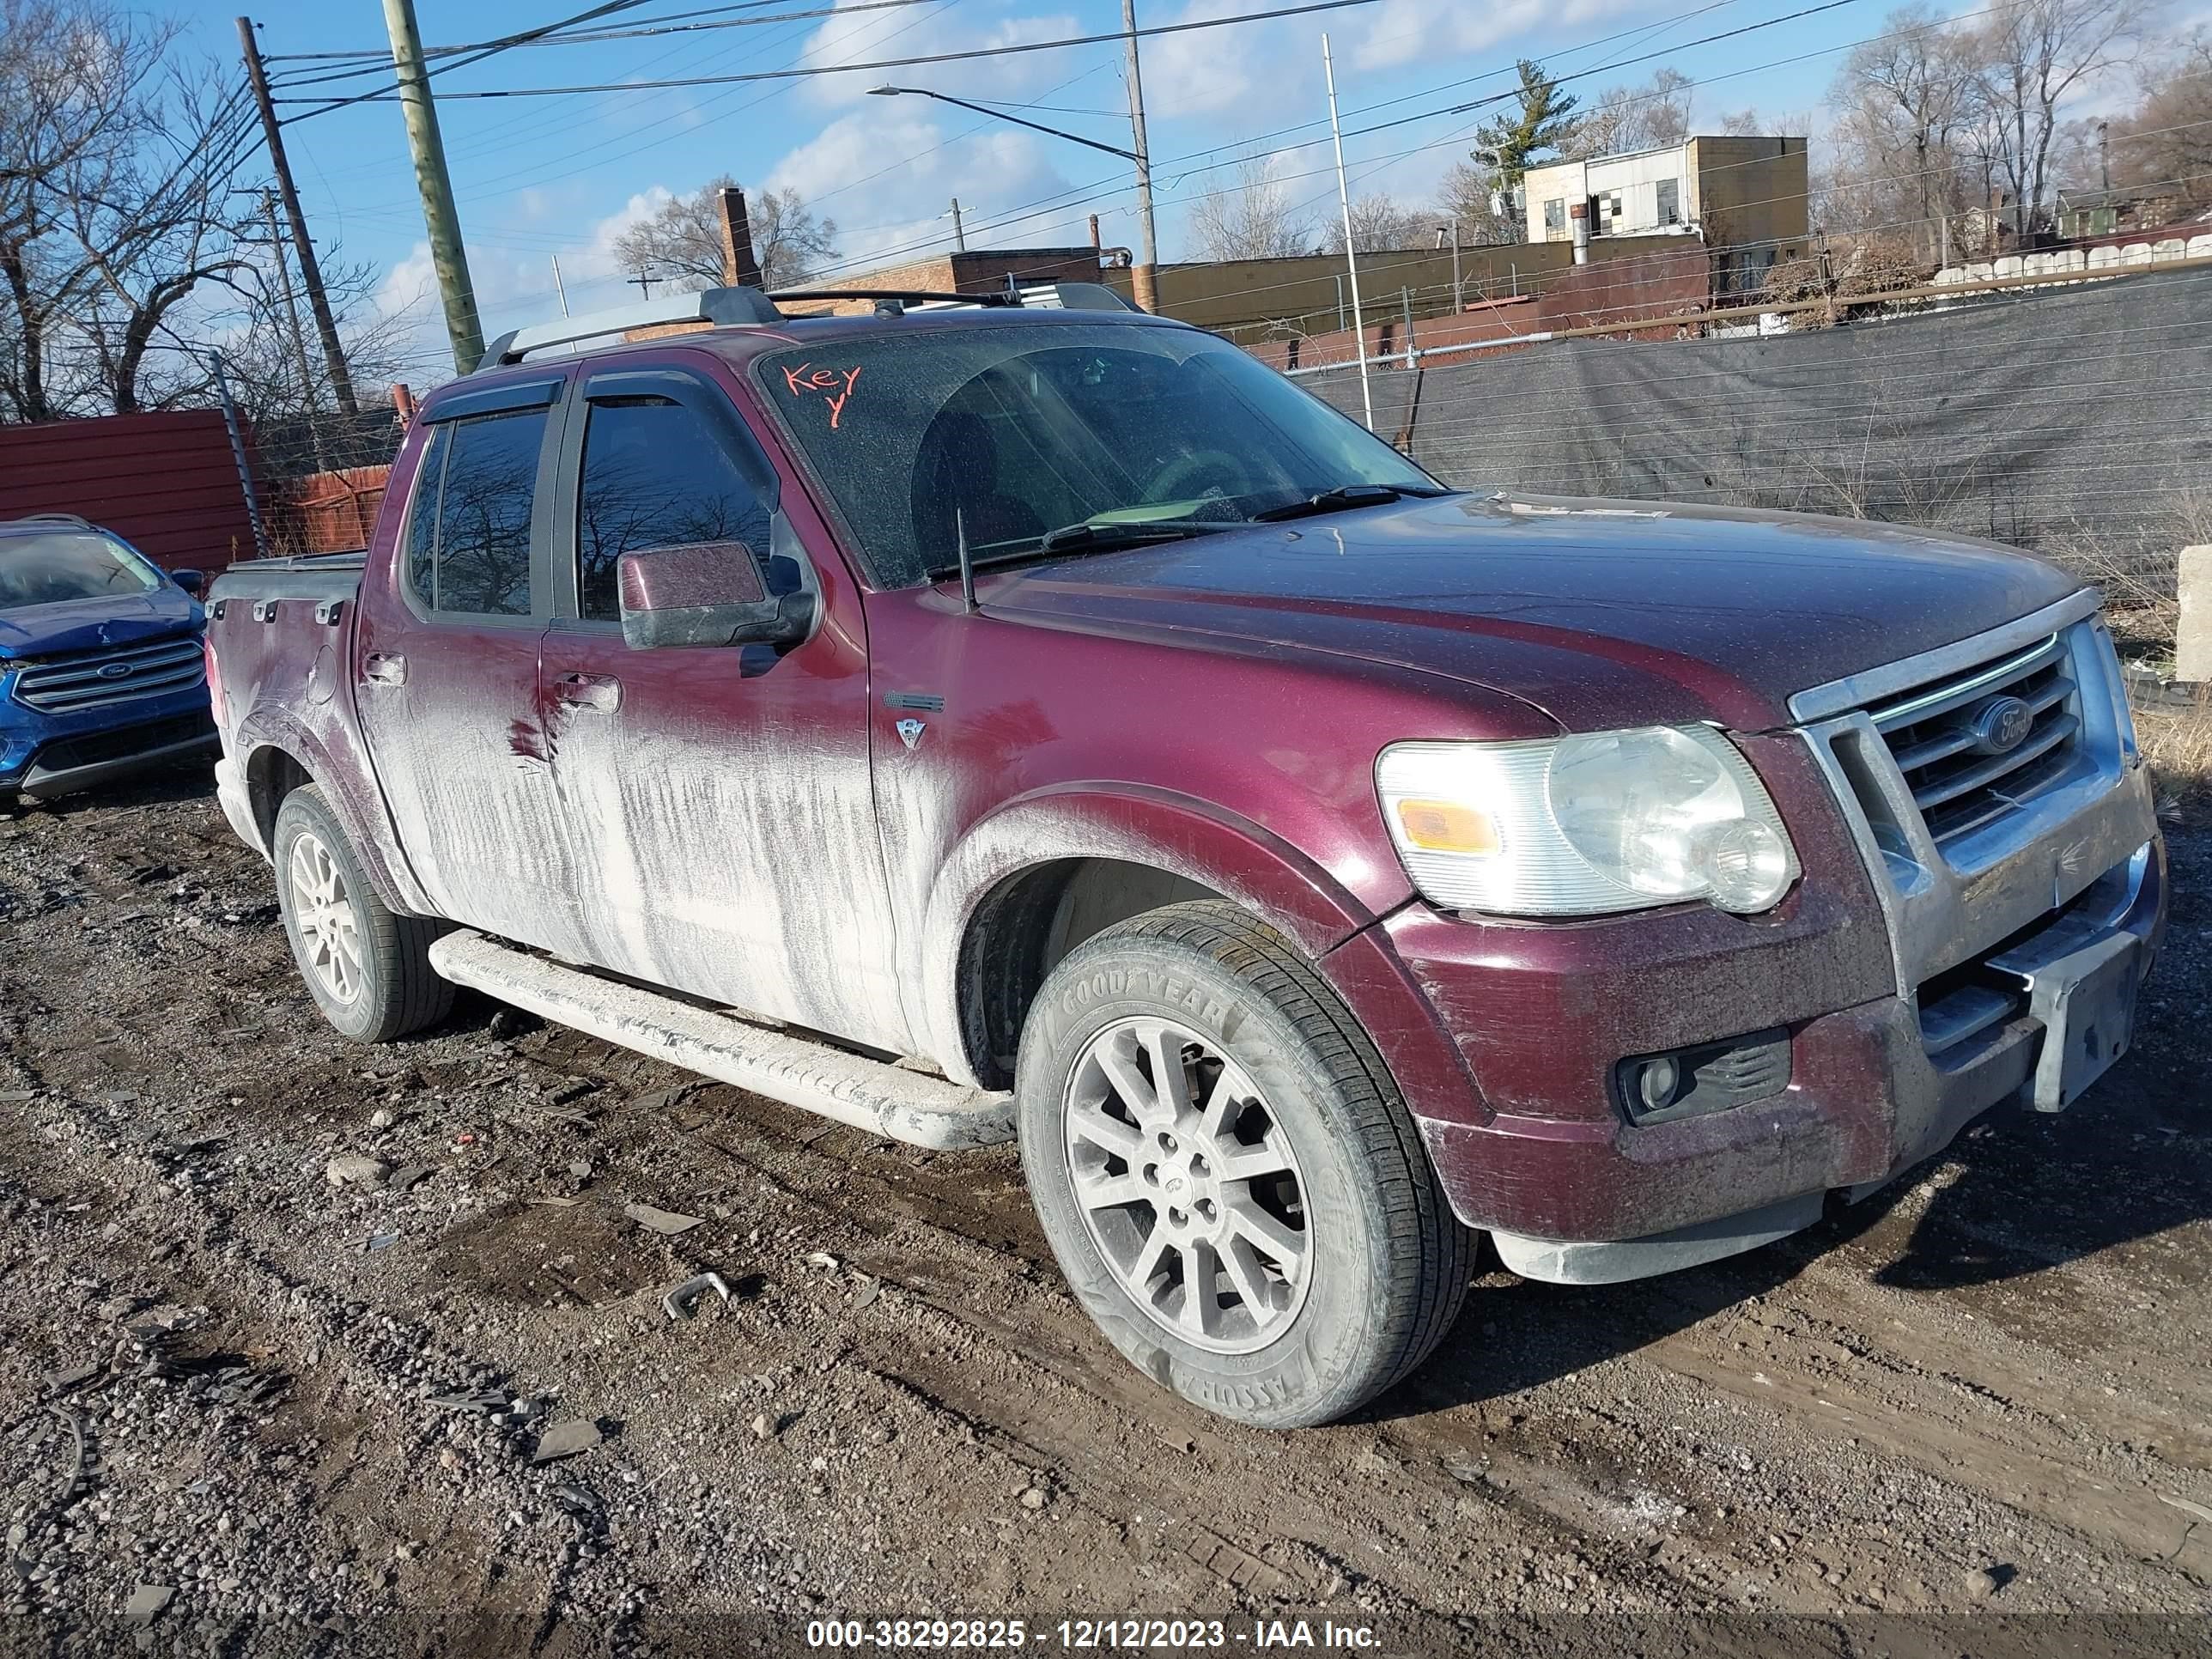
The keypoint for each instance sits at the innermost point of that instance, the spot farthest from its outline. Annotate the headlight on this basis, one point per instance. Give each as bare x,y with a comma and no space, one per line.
1586,824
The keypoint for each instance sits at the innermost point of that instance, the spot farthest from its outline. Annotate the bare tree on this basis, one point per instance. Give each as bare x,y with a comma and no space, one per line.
1252,216
73,93
1381,220
117,159
684,240
1475,197
262,361
153,225
1628,118
2033,56
1908,99
2166,139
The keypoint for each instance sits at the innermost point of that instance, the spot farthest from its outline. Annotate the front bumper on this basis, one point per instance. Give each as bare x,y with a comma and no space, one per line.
64,765
1595,1201
1914,984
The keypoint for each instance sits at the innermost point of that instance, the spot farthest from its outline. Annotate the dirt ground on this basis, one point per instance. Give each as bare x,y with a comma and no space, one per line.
1971,1415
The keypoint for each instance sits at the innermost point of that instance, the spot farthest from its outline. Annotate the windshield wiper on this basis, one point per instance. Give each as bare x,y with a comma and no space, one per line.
1088,537
1097,537
1343,499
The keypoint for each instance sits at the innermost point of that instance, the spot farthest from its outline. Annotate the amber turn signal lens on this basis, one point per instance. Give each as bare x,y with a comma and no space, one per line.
1443,826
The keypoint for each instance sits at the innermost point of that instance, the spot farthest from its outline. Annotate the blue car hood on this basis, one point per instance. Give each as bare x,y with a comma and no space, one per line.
49,630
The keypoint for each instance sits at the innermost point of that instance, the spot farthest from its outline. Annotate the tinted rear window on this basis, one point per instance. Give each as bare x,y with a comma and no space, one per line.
469,537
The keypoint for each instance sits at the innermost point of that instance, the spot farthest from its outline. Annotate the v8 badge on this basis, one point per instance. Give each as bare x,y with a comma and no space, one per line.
909,732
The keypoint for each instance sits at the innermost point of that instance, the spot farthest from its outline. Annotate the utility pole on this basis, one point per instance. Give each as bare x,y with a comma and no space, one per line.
299,339
959,232
643,283
311,270
447,256
1143,280
557,288
1351,254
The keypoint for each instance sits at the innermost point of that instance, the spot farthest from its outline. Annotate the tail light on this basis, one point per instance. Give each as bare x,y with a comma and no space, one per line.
217,705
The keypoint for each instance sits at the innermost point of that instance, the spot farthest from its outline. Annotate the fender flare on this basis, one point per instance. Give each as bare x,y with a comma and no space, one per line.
350,791
1135,824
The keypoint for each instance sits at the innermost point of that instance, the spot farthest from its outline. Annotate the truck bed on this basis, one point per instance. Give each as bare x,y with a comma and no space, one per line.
318,576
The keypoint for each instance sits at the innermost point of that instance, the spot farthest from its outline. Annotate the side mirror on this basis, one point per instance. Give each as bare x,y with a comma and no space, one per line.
194,582
705,594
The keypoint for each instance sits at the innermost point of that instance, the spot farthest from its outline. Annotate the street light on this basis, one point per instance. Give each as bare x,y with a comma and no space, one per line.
1033,126
1142,277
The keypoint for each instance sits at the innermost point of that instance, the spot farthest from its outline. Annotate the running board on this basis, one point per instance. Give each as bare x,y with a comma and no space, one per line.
865,1094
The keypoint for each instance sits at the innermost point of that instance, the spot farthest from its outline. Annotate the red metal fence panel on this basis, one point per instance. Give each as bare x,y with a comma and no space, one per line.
332,512
165,482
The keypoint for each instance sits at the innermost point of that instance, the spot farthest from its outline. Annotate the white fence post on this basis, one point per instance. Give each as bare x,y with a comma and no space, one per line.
2192,642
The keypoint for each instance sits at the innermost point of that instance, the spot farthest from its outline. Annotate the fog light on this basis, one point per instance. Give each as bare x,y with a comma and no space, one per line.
1656,1080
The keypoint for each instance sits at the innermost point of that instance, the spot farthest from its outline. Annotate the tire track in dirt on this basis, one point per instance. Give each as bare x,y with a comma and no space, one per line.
1615,1450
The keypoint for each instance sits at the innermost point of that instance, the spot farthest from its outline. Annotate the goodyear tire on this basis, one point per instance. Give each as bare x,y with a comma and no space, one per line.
1263,1234
367,969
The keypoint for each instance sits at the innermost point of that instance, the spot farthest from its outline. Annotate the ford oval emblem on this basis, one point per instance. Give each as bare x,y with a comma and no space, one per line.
114,670
2002,725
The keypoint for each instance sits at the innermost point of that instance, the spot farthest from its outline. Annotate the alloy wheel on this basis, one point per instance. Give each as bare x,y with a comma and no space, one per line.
1189,1185
322,911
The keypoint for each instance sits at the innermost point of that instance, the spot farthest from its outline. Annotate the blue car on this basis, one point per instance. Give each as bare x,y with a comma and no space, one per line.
100,668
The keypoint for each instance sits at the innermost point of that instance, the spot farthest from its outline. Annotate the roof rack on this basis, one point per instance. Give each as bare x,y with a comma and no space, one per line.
738,306
890,301
1048,296
1069,296
55,518
1040,296
718,306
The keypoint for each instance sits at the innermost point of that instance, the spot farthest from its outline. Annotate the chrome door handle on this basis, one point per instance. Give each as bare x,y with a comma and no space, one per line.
602,692
384,668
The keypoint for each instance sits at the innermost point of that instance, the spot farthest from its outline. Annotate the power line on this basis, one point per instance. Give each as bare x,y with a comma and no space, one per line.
590,37
501,134
673,23
490,49
1083,195
807,71
1045,207
558,164
777,91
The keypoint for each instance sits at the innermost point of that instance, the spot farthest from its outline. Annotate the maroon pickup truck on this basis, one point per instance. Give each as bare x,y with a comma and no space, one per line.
973,721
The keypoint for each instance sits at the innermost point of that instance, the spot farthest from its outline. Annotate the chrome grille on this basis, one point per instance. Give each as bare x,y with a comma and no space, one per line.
1940,737
90,679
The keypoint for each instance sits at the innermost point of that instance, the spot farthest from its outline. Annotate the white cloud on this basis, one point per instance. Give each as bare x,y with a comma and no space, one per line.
1190,74
887,212
513,281
878,36
1402,31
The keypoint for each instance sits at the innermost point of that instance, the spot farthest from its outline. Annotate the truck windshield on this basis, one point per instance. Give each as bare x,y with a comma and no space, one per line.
51,568
1011,434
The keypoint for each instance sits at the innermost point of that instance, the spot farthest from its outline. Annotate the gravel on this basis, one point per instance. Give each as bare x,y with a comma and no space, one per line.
1980,1393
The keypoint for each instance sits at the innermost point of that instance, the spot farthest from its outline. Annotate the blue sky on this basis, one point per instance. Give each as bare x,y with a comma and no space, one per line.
541,177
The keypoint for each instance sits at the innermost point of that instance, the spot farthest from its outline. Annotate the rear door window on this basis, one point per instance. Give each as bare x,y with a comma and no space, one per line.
475,515
654,475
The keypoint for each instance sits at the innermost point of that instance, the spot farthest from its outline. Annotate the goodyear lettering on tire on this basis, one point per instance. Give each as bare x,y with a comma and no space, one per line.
1112,984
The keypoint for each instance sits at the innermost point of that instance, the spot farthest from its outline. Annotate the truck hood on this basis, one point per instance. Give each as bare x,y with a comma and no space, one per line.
51,630
1601,613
